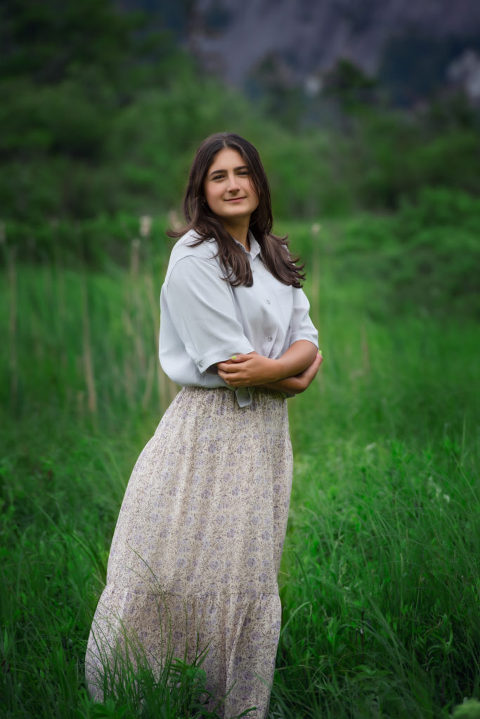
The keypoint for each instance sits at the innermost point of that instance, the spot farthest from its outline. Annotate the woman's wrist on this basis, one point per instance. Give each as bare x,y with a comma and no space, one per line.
278,370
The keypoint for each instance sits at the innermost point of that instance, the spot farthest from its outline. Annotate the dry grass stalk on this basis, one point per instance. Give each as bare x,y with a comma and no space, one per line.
87,353
365,351
135,257
61,305
315,274
80,403
150,374
166,388
138,304
128,375
145,226
13,324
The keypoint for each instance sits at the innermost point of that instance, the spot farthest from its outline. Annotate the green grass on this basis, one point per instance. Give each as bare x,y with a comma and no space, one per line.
380,580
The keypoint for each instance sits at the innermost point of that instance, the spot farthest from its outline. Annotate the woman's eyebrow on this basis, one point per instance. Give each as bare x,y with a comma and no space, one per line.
220,170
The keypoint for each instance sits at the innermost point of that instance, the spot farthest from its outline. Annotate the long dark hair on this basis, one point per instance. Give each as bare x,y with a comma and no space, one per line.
274,249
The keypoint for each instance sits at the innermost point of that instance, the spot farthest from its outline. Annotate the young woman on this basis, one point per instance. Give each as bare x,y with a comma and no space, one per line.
197,546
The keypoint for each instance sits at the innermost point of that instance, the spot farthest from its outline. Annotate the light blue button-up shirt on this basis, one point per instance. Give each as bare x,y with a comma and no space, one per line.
204,320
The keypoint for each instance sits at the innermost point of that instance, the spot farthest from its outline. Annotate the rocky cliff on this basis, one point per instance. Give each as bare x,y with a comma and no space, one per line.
403,42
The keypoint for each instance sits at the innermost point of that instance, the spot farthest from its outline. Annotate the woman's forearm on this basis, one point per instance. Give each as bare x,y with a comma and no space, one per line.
299,356
289,385
298,383
253,369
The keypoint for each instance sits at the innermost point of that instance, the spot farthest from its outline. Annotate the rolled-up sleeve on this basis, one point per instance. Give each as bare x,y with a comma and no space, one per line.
301,326
202,310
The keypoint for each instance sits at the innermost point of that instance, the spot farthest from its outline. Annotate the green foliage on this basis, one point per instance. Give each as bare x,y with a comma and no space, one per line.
90,33
100,242
423,259
178,690
395,156
371,572
101,114
69,71
303,181
439,207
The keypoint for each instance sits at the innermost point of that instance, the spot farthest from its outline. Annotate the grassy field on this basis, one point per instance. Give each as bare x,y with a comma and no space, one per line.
380,580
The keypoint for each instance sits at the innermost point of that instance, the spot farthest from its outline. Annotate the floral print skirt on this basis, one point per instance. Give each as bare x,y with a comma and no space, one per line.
196,550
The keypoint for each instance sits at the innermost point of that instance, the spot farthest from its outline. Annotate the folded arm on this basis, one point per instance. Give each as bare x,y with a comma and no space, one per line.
283,374
300,382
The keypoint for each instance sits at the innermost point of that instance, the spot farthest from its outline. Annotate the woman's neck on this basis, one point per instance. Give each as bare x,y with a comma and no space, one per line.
239,231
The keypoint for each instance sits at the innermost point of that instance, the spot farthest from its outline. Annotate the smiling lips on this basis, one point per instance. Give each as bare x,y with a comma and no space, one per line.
235,199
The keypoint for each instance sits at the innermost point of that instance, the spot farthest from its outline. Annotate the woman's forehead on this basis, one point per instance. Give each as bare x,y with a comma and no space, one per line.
227,158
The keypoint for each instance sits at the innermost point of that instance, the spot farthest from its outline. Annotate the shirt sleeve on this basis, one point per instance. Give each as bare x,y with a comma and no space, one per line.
202,309
301,326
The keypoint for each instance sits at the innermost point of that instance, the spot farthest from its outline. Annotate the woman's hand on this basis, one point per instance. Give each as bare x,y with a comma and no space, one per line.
249,370
252,370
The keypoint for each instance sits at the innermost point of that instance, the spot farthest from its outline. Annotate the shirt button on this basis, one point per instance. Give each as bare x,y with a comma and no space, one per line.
269,339
268,302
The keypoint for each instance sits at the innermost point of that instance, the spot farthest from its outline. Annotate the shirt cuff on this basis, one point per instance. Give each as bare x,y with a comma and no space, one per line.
310,337
221,354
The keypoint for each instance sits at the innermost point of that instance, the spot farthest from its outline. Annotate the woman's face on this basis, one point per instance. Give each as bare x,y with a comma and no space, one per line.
228,188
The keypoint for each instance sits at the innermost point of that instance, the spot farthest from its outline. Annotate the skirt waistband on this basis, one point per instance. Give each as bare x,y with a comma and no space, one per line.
244,395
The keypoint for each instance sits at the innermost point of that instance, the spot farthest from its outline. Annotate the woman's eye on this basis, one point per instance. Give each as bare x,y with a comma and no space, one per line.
243,172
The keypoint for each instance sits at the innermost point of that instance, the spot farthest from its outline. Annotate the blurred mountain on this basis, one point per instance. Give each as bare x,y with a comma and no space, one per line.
412,48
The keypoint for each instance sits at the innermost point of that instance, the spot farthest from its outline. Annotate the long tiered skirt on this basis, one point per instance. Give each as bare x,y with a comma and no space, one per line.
197,546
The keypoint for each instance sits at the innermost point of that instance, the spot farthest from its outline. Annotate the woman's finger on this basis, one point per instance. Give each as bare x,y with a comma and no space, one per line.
228,368
234,359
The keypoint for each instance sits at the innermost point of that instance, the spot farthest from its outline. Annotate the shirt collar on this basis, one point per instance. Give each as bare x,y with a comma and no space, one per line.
255,248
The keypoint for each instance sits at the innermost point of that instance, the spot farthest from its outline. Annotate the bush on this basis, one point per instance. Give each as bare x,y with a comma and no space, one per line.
394,156
94,243
425,257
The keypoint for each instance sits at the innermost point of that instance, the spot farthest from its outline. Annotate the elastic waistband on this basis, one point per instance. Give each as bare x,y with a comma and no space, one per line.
243,395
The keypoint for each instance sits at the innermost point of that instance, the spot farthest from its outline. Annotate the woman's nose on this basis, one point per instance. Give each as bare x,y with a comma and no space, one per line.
233,182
